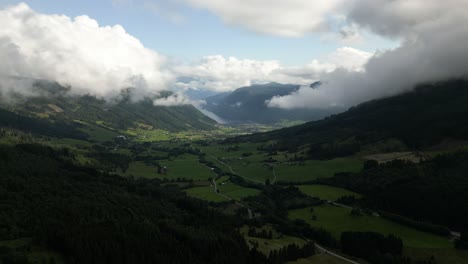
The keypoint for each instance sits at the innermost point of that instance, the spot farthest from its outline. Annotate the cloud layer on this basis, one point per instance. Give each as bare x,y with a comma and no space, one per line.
222,74
103,60
92,59
434,47
291,18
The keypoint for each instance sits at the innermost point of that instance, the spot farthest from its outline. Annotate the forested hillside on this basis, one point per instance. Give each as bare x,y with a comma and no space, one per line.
435,191
54,103
420,118
248,104
92,217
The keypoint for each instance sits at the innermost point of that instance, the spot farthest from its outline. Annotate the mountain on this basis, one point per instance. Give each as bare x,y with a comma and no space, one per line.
56,106
417,119
247,104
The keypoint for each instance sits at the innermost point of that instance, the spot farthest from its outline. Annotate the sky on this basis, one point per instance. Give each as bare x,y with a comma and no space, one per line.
359,49
182,31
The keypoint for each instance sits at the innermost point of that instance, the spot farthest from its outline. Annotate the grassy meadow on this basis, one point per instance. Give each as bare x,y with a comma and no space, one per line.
326,192
338,219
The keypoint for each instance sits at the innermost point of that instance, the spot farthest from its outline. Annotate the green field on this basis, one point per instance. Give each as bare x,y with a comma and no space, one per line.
140,169
206,193
337,220
442,256
70,142
326,192
257,172
221,151
99,133
319,259
314,169
267,245
187,167
236,192
229,189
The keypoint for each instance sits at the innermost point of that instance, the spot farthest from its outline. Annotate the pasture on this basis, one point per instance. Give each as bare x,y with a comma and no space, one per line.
267,245
319,258
236,192
338,219
315,169
186,167
205,193
326,192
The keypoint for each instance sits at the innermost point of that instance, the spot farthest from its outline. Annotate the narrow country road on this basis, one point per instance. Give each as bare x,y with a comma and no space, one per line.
215,185
274,176
322,249
340,205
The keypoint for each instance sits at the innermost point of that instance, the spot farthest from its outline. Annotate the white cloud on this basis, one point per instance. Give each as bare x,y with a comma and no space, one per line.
291,18
406,19
226,74
93,59
174,99
434,48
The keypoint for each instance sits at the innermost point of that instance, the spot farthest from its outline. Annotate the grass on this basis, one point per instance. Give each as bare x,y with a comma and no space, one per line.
314,169
140,169
442,256
229,189
187,167
337,220
319,258
255,171
221,150
267,245
145,135
205,193
326,192
252,166
70,142
237,192
99,133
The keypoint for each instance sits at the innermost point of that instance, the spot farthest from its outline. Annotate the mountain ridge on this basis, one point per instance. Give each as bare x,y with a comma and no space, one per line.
248,104
419,118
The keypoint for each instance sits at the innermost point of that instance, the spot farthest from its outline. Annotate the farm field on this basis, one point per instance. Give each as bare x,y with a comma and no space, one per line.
230,151
267,245
314,169
319,258
236,192
142,170
99,133
205,193
442,256
255,171
337,220
186,167
326,192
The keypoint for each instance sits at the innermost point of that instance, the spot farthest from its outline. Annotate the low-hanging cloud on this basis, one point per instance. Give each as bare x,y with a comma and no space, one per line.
434,47
221,74
91,59
174,99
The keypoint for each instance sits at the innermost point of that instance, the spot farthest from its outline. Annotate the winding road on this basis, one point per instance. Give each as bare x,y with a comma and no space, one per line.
216,190
323,250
